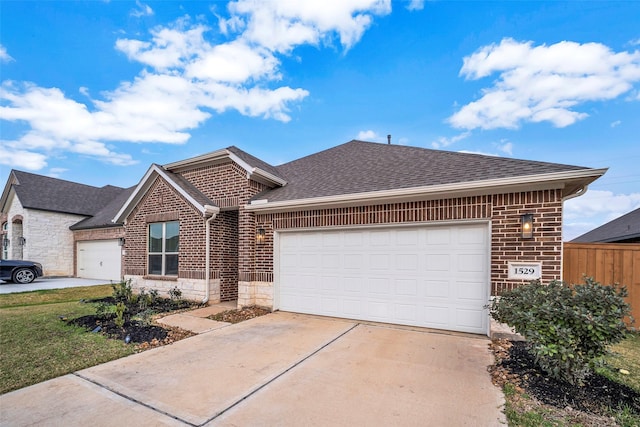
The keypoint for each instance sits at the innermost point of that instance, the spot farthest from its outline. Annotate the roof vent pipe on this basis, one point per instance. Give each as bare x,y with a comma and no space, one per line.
389,139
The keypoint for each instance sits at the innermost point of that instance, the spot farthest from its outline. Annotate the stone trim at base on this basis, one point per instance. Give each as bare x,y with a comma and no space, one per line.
192,289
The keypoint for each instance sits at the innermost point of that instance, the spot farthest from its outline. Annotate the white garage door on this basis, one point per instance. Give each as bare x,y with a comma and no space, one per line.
429,276
99,259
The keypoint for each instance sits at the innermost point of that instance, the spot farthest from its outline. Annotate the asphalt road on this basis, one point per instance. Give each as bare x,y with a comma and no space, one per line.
49,283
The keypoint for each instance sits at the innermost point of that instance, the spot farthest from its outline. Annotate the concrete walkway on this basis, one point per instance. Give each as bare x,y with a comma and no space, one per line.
280,369
49,283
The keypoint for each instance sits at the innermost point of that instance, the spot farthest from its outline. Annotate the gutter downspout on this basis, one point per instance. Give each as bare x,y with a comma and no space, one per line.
210,212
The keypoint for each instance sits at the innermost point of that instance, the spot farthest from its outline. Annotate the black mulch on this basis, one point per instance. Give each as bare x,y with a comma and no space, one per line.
596,396
138,332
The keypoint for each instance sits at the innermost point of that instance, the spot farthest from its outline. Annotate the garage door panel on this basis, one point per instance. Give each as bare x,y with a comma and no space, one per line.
437,288
471,291
433,276
99,259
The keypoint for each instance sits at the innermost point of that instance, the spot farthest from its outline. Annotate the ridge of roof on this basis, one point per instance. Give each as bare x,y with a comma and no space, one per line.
360,167
625,227
58,195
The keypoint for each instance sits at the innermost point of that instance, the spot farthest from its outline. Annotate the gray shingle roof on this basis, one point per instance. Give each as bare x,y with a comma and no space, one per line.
625,228
103,217
57,195
254,161
358,167
188,188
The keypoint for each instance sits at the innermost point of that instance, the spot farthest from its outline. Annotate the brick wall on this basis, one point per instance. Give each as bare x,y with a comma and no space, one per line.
232,231
507,244
161,203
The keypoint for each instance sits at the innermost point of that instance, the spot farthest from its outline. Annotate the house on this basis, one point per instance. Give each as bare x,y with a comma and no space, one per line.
625,229
362,230
66,226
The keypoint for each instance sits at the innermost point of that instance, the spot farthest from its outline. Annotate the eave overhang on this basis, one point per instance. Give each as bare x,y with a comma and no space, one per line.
571,182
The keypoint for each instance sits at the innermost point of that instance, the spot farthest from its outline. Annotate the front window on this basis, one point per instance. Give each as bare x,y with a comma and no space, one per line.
163,248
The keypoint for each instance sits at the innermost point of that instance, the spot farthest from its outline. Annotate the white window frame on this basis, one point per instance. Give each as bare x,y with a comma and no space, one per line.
164,252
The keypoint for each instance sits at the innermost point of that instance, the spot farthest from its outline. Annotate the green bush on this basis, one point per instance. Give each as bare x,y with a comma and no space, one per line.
568,328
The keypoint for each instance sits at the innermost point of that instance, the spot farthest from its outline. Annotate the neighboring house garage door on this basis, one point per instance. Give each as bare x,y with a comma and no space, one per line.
99,259
429,276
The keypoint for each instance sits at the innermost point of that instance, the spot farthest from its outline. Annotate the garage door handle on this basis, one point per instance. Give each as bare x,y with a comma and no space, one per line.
100,263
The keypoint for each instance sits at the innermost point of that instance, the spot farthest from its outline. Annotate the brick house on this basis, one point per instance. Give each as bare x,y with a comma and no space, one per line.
66,226
363,230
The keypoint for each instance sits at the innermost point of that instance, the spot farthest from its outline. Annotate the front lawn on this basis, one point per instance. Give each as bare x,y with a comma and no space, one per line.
37,344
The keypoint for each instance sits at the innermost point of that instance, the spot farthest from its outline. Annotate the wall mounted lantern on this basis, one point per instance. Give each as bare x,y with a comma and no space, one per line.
260,235
527,226
22,241
5,242
121,241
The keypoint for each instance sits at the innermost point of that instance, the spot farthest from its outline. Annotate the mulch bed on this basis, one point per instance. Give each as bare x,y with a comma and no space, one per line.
515,364
235,316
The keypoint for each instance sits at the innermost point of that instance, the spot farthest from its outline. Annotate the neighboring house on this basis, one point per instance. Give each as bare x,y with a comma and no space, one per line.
39,215
625,229
363,230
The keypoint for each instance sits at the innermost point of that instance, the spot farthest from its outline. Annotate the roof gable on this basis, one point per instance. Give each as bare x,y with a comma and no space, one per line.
624,228
255,168
183,187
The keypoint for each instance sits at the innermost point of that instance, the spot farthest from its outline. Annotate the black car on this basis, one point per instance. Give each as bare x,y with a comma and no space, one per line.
19,271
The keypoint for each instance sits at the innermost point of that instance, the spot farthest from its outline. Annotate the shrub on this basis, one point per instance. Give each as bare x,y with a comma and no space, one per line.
122,291
568,328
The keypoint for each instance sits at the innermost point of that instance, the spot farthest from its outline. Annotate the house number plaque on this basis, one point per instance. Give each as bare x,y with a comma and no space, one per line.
525,270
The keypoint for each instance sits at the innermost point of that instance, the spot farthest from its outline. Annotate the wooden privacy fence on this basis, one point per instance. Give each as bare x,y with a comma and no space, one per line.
607,263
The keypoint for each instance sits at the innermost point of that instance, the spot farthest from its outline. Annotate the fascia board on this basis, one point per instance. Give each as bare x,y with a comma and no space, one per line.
144,186
8,188
470,188
195,161
256,174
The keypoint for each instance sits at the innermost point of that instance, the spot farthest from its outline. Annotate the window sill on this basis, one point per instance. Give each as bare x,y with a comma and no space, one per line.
164,278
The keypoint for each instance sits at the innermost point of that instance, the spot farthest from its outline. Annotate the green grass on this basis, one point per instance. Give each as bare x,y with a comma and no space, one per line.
52,296
36,345
625,355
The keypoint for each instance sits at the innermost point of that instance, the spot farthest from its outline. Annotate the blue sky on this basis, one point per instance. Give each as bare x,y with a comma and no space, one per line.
94,92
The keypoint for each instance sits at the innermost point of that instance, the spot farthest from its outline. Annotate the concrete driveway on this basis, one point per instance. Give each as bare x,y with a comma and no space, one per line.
281,369
48,283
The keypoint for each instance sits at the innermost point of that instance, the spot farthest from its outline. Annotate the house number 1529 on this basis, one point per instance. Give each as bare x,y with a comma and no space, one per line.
525,270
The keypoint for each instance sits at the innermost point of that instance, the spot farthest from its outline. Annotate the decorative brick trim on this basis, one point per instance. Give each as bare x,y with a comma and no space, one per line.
228,202
474,207
255,276
162,217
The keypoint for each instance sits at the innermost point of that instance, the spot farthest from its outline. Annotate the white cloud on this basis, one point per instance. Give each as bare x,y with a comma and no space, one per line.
21,159
56,172
505,146
595,208
282,25
415,5
4,56
543,83
186,77
443,141
616,123
368,135
142,10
